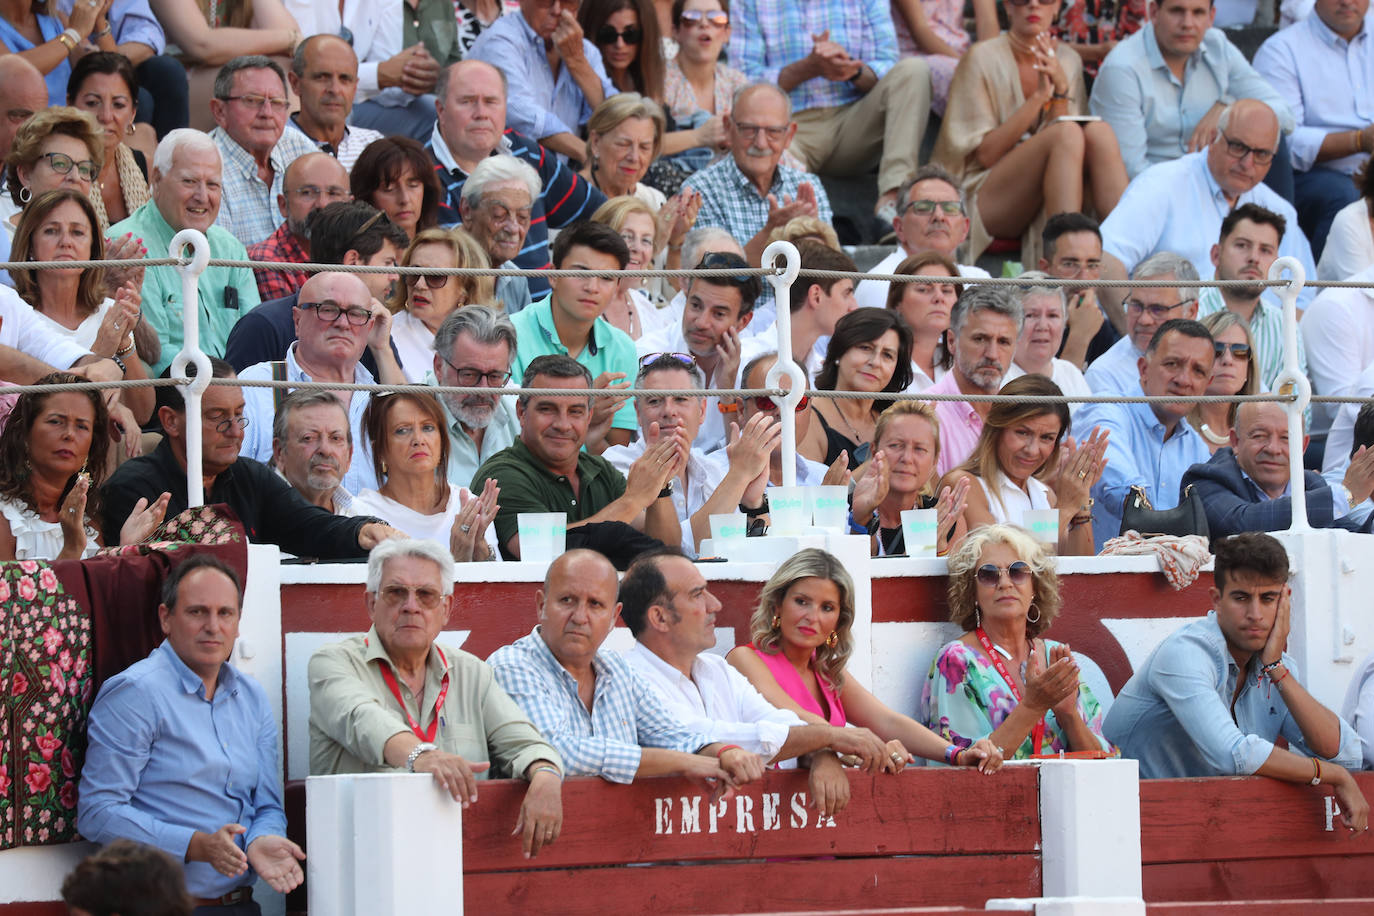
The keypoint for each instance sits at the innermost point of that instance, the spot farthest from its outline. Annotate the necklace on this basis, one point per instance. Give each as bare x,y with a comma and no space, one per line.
1213,437
1020,44
857,439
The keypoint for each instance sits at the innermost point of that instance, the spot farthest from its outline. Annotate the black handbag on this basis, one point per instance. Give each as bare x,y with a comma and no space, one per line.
1186,518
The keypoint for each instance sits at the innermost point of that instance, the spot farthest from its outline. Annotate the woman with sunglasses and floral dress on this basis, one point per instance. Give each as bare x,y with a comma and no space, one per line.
421,302
1000,681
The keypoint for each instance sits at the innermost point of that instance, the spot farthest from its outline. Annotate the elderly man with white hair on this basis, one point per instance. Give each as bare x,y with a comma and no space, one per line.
185,186
394,699
497,204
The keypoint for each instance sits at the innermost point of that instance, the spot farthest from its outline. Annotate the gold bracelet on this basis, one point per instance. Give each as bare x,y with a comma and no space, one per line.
65,40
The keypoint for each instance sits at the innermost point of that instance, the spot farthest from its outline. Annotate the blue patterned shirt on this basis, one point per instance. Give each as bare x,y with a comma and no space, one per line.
626,713
730,200
767,35
247,206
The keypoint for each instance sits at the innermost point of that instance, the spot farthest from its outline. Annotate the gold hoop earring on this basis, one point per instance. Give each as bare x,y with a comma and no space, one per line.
833,639
777,621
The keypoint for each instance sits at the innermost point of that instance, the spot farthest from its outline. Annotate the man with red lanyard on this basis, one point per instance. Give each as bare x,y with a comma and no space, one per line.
394,699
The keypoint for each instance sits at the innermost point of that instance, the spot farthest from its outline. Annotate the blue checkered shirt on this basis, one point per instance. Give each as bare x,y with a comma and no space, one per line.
247,207
770,34
730,200
626,714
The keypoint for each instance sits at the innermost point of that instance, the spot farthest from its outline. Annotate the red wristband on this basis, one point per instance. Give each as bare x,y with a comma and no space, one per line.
729,747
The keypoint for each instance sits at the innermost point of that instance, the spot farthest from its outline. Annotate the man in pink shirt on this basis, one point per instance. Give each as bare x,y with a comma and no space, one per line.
983,328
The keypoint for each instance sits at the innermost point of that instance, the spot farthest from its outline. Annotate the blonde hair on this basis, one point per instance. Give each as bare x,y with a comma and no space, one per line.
963,570
926,411
811,563
615,211
806,227
982,461
1215,323
33,133
621,107
466,252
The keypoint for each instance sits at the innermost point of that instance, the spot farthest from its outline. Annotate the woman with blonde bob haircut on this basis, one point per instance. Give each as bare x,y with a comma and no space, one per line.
1001,681
631,309
421,302
802,640
1235,372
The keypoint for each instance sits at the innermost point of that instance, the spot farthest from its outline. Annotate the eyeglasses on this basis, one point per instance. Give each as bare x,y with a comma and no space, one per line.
763,402
223,426
927,207
468,377
685,358
1135,307
61,163
607,35
433,281
427,598
329,312
313,192
278,105
1238,350
1018,573
1239,150
750,131
703,18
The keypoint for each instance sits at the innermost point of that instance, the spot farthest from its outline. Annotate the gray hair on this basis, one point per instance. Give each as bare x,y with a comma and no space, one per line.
554,365
1224,121
931,171
496,170
984,298
299,400
224,79
696,241
751,88
482,322
394,548
446,76
1038,289
1168,264
298,58
182,137
666,362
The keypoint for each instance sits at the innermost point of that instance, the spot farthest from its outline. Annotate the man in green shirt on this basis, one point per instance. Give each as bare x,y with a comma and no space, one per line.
547,470
185,194
568,321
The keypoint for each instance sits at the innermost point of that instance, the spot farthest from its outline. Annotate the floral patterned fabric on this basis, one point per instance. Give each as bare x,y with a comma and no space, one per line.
1091,22
965,699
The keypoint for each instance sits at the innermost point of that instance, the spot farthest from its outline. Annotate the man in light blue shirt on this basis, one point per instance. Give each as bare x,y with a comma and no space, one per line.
182,750
601,716
1323,67
555,75
1118,370
1163,88
1179,205
1197,706
1152,445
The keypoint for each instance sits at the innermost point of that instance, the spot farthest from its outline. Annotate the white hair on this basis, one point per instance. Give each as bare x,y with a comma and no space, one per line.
409,547
182,137
498,170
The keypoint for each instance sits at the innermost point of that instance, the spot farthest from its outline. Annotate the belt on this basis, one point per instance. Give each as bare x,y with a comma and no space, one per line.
237,895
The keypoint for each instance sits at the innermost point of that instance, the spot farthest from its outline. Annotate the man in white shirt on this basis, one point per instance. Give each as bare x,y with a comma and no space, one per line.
1338,329
1118,370
324,76
668,606
930,217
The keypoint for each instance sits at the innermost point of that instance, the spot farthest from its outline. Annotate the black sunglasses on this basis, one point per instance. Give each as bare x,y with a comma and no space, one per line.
607,35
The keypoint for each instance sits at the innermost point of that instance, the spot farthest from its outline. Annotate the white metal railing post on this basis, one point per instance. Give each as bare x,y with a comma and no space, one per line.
786,364
192,354
1291,379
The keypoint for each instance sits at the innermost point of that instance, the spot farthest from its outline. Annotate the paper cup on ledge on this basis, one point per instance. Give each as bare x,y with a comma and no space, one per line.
543,535
830,508
919,531
788,512
1043,525
727,527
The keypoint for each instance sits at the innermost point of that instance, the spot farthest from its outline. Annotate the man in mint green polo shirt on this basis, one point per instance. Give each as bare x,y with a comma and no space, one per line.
568,322
185,194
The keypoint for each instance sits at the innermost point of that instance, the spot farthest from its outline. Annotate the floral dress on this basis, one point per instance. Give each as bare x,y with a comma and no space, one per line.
966,699
1091,22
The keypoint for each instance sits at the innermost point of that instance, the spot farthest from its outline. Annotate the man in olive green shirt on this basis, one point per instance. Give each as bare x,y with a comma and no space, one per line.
395,699
185,194
546,470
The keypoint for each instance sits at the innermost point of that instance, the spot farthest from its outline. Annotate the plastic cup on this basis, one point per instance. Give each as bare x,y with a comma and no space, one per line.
728,526
543,535
1043,525
787,510
919,531
830,508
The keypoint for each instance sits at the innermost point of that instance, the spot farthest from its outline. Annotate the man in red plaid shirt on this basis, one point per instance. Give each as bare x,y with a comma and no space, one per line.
313,181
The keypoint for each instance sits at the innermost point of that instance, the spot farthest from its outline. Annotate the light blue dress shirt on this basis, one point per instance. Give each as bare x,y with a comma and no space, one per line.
1153,114
1138,455
1327,82
1117,371
1178,206
164,762
537,104
604,741
1175,716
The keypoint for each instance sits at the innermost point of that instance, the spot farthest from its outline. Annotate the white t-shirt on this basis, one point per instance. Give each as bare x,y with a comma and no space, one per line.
418,525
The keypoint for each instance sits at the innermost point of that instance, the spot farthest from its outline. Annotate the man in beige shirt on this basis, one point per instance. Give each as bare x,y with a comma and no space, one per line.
393,699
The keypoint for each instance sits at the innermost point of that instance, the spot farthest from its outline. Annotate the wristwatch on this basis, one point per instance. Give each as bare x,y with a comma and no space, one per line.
416,751
667,490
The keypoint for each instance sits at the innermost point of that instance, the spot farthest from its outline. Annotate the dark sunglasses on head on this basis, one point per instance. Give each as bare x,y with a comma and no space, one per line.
684,358
1019,573
607,35
718,18
763,402
1238,350
724,260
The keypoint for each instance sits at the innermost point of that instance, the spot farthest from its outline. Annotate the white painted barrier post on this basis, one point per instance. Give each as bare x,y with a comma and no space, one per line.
786,364
383,843
191,352
1292,377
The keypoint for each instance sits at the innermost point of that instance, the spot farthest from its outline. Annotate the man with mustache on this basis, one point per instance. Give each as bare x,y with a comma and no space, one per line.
473,348
983,327
312,447
496,206
324,76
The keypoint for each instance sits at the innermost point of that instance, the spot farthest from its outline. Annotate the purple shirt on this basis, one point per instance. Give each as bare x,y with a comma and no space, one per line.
960,426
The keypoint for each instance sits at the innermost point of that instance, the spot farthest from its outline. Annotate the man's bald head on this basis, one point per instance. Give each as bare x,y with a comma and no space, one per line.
22,92
577,606
343,288
311,182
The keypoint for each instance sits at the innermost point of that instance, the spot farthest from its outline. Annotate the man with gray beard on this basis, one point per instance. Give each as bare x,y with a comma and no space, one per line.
312,447
312,182
473,348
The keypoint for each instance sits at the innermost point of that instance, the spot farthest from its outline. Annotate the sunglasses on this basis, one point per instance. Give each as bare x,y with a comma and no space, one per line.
763,402
1238,350
718,18
433,281
607,35
684,358
724,260
1018,573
